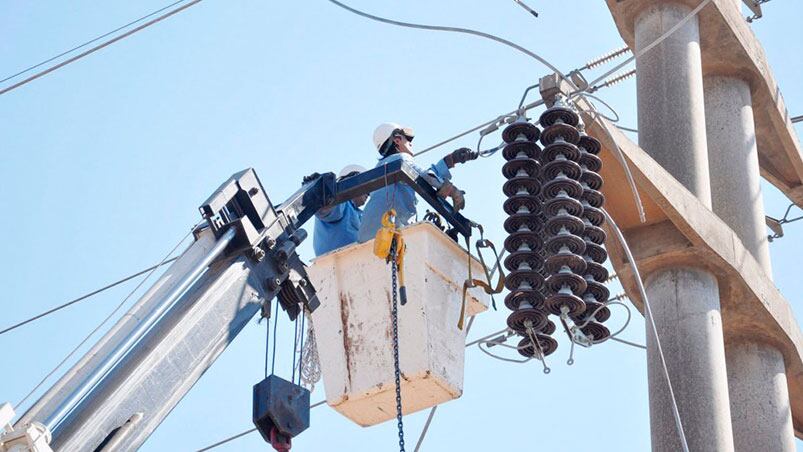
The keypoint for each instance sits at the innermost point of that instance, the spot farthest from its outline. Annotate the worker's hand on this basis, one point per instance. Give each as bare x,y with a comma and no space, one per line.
458,199
310,178
448,190
461,155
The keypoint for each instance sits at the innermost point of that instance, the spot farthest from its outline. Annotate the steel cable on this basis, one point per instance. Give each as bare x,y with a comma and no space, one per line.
98,47
84,297
80,46
651,321
454,30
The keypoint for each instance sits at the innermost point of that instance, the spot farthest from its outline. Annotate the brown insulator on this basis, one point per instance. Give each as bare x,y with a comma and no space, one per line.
533,260
589,144
519,149
563,220
560,131
561,183
592,214
596,331
524,279
520,127
595,270
523,221
559,113
574,243
592,179
560,147
590,161
518,298
524,240
521,204
566,279
520,167
564,257
547,344
522,318
592,307
561,165
565,298
560,203
597,289
593,197
549,328
522,185
596,252
594,234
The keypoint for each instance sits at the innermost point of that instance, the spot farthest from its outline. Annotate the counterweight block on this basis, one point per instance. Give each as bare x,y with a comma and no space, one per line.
280,405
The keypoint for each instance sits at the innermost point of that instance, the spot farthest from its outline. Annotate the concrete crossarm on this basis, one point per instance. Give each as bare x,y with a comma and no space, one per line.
680,230
730,48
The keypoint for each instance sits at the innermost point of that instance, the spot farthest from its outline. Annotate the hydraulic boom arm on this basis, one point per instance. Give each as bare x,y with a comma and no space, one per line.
242,258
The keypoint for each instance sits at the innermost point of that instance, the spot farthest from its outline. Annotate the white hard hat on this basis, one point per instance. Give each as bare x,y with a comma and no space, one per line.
385,131
349,169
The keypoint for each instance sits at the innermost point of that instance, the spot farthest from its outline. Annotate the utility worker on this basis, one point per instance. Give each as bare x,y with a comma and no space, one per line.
394,142
337,226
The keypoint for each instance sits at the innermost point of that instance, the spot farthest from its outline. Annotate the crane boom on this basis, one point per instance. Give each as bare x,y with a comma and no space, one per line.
242,258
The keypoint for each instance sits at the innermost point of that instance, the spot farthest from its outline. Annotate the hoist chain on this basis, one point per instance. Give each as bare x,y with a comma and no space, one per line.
396,367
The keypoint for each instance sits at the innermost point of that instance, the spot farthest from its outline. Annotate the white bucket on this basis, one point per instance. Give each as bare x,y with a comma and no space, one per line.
353,326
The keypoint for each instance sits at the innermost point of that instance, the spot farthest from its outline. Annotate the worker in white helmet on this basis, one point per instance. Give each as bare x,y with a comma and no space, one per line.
394,142
337,226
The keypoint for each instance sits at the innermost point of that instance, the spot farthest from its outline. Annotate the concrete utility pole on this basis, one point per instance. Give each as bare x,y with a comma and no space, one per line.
759,397
712,122
685,299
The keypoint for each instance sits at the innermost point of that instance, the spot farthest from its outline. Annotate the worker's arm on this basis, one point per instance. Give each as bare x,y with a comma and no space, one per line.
436,175
331,214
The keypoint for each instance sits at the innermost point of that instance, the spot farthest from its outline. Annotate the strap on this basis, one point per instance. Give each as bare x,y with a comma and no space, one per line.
487,285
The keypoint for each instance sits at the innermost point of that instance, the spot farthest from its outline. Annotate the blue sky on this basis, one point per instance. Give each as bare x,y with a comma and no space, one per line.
104,163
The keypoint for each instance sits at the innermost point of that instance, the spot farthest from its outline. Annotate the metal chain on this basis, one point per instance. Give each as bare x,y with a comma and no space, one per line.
396,367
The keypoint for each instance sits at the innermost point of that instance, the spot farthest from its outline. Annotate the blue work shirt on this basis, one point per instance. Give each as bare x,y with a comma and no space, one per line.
336,227
398,196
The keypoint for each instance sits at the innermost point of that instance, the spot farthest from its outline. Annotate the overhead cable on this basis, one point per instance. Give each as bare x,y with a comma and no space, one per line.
84,297
797,119
98,47
469,31
241,434
103,322
651,321
80,46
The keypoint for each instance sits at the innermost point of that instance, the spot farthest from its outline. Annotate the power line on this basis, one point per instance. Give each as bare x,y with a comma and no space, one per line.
98,47
241,434
469,31
648,310
84,297
30,68
797,119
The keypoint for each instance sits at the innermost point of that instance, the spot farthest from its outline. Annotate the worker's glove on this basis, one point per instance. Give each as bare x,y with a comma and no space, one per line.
448,190
461,155
310,178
